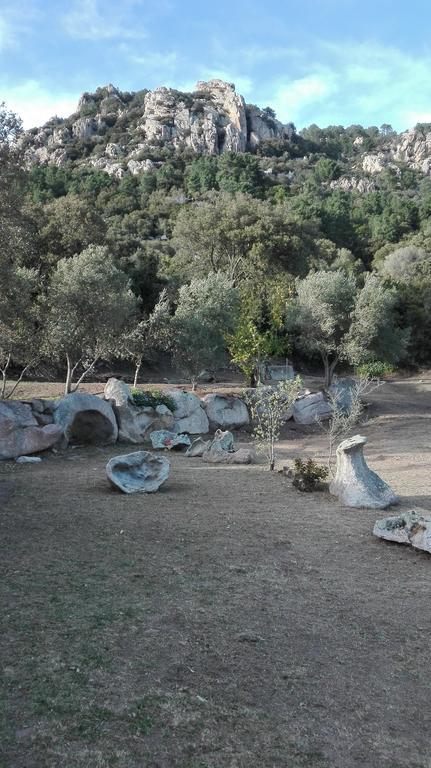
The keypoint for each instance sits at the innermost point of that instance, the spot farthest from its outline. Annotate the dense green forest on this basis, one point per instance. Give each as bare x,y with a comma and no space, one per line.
209,257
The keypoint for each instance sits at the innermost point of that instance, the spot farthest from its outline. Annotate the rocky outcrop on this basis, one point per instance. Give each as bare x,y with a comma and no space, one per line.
411,148
355,484
20,432
86,419
413,527
140,471
211,120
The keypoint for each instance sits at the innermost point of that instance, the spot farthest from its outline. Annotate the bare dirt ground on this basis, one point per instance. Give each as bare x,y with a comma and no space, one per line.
227,621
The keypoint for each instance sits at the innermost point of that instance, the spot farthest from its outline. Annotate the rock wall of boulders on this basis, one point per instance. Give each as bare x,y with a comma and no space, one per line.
28,427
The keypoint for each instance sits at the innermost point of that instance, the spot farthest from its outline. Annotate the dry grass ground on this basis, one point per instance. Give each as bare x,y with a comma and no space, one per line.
227,621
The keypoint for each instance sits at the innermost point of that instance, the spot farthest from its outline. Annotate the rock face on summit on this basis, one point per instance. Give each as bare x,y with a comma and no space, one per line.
211,120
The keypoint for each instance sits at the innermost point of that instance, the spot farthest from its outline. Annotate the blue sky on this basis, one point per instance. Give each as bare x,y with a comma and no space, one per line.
322,61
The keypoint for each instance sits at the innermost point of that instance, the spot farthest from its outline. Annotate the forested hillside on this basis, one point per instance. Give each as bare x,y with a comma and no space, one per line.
213,214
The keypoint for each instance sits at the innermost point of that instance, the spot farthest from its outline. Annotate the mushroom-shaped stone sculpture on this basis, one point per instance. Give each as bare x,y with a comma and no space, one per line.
355,484
138,471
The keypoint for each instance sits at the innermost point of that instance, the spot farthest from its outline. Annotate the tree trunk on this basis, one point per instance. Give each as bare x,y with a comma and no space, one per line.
329,369
68,384
137,369
4,378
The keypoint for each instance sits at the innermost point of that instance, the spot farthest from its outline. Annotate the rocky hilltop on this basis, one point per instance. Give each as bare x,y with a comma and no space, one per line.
113,130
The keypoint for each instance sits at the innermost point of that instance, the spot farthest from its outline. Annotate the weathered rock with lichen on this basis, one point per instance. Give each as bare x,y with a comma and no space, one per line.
141,471
413,527
210,120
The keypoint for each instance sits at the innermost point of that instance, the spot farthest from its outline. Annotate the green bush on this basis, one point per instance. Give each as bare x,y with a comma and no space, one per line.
309,476
375,370
152,398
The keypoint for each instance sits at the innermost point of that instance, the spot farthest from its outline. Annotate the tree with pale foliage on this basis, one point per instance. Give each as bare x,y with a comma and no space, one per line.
89,305
269,407
19,335
339,322
322,315
148,336
18,285
207,310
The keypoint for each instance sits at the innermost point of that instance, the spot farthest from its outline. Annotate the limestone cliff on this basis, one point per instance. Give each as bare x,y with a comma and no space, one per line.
113,130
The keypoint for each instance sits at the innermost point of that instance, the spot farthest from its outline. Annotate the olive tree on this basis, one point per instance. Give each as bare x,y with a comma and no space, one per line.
18,285
19,335
325,301
207,310
148,335
89,304
340,322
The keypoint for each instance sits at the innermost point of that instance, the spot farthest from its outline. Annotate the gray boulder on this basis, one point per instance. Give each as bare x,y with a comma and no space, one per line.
221,451
86,419
20,433
413,527
355,484
135,423
198,447
141,471
189,415
225,411
162,438
308,409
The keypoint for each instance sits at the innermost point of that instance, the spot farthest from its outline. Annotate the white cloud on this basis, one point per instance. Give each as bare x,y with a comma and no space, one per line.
91,20
295,96
155,60
35,105
356,82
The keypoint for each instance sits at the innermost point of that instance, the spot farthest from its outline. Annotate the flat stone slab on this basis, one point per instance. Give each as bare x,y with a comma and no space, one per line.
162,438
136,472
198,447
413,527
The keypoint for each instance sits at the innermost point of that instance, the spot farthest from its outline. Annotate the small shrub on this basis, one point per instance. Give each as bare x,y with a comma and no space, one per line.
375,370
309,476
152,398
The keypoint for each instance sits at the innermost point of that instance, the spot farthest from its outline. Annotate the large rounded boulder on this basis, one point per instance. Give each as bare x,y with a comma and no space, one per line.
225,411
86,419
20,432
140,471
190,417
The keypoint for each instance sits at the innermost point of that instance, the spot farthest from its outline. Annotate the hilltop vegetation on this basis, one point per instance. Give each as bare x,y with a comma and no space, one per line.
170,187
